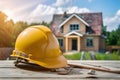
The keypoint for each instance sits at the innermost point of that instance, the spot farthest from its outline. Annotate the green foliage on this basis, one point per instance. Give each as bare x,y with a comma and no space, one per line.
42,23
99,56
32,24
104,31
75,56
45,24
87,56
113,56
118,35
17,29
114,37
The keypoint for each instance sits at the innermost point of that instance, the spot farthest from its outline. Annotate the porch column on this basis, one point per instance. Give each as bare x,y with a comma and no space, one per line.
78,43
66,44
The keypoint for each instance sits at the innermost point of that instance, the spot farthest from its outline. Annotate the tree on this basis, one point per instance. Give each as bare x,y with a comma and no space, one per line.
118,35
45,24
104,31
5,30
10,30
32,24
41,23
114,37
18,28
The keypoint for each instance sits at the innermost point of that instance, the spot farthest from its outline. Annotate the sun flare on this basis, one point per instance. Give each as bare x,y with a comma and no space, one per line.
8,13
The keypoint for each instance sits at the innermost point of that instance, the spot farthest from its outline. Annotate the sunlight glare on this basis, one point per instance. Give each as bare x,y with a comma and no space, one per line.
8,13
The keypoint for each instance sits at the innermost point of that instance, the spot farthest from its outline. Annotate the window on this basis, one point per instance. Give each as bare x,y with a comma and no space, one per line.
60,42
89,42
61,30
74,27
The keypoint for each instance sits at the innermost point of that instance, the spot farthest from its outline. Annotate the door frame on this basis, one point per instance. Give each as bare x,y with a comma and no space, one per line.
74,44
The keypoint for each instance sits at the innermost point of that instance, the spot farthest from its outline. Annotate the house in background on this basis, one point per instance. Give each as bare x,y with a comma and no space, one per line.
79,32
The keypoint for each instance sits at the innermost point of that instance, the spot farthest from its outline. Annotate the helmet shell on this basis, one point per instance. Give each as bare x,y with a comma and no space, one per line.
38,45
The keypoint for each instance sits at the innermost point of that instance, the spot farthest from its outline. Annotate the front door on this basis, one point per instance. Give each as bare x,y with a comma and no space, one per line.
74,44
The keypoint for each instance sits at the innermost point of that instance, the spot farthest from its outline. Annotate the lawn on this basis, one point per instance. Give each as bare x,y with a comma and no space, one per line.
98,56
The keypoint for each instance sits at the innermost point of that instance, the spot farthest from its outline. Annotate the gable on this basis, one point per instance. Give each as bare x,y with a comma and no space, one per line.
94,20
74,33
74,15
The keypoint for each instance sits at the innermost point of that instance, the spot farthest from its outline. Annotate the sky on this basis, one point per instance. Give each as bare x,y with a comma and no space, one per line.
43,10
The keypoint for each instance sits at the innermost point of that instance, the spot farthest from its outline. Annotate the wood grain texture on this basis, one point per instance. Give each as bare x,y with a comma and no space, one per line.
34,72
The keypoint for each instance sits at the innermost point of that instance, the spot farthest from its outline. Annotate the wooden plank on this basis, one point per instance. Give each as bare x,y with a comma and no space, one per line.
32,72
109,63
96,67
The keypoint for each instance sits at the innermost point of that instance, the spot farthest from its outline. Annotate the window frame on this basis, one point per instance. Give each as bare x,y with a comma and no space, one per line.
61,40
89,43
74,27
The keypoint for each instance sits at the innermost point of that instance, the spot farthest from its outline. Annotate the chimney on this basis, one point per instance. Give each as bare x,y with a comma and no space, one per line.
65,15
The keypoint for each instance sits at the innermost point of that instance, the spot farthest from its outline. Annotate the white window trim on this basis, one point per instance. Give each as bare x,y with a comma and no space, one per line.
71,17
90,38
75,24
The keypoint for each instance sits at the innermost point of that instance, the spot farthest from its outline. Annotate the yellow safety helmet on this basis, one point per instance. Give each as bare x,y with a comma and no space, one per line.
37,44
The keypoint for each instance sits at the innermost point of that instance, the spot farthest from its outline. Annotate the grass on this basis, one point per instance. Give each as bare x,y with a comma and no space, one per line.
75,56
113,56
98,56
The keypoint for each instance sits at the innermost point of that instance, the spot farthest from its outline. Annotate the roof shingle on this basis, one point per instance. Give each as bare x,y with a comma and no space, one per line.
93,19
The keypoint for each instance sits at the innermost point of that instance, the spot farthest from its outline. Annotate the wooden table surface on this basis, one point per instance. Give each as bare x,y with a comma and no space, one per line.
33,72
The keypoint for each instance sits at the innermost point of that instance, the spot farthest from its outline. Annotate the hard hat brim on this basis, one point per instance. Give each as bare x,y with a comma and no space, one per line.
53,63
57,62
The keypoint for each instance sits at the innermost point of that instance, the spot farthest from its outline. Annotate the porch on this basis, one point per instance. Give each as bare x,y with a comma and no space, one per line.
78,42
72,43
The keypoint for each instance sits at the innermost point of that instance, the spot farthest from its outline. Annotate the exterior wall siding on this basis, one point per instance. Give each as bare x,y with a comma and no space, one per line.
69,44
95,44
98,43
102,44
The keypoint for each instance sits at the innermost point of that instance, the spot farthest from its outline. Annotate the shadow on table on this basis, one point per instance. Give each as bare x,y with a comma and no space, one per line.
31,67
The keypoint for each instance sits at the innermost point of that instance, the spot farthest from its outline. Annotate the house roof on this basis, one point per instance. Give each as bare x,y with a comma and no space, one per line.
93,20
71,16
73,32
89,18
